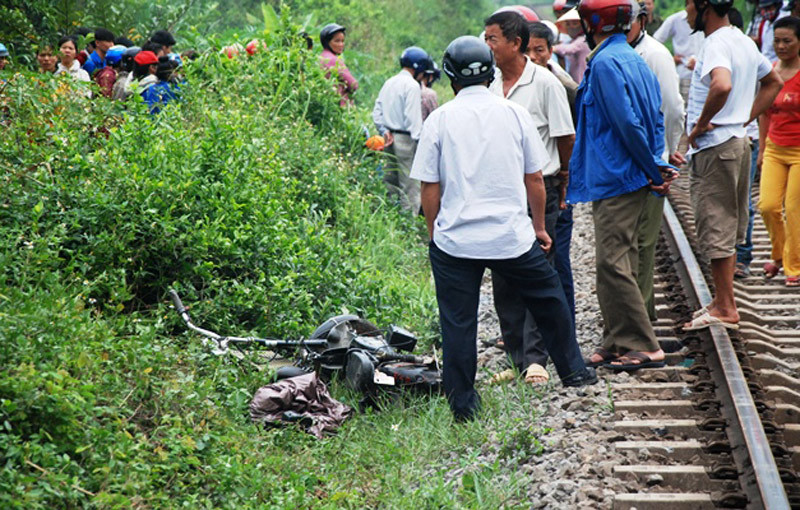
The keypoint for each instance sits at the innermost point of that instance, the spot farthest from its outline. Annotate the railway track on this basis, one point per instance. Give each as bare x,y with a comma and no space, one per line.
719,426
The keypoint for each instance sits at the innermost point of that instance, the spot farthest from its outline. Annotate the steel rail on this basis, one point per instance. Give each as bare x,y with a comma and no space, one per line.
770,487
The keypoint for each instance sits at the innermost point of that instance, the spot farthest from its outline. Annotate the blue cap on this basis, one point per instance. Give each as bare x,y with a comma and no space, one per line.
114,56
176,57
3,50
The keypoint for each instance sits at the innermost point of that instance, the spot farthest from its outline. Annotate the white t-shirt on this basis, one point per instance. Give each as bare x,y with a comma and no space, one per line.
728,48
545,98
684,42
660,62
478,147
399,105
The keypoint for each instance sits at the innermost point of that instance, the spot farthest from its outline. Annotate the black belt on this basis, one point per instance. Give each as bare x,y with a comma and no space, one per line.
399,132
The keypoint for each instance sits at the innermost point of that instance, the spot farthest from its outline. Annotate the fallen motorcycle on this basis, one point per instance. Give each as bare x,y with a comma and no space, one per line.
343,346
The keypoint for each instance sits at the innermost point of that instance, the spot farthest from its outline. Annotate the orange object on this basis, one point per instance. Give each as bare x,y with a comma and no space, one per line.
376,143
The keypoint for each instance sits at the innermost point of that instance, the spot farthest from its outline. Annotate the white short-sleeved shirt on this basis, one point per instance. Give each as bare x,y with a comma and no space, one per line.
728,48
479,148
545,98
685,41
399,105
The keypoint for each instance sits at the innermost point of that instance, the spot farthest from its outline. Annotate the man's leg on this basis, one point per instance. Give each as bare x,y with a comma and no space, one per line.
458,283
649,229
405,148
540,289
521,337
616,224
744,251
562,261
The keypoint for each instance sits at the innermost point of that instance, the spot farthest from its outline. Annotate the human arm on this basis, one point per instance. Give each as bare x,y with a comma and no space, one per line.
771,85
718,91
346,77
564,144
412,109
763,131
671,100
377,119
431,198
537,196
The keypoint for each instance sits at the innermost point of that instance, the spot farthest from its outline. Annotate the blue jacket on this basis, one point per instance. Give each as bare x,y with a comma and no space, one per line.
94,63
619,137
160,94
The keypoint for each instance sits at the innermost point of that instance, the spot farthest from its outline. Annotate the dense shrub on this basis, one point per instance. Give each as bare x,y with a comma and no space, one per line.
254,196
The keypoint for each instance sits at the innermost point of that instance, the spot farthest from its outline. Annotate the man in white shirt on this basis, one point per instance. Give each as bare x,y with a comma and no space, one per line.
479,159
722,100
520,80
685,45
398,117
659,60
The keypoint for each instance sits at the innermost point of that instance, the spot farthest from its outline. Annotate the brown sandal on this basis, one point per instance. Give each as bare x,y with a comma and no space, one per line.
606,356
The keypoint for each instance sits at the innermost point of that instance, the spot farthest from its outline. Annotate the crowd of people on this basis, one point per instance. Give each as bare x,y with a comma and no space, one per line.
591,108
118,67
594,108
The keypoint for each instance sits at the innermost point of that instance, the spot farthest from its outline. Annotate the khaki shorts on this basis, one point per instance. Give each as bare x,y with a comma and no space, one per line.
720,188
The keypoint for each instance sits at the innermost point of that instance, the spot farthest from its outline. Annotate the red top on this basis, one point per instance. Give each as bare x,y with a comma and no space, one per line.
784,114
106,77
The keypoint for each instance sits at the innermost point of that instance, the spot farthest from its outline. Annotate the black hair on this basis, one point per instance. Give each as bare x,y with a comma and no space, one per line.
68,38
735,17
141,70
539,30
512,25
164,68
124,41
102,34
152,46
792,22
163,38
82,31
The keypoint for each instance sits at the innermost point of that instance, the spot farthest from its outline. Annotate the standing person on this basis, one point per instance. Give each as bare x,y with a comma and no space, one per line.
332,38
659,60
770,11
144,70
544,98
3,56
69,63
685,45
398,118
779,158
479,158
721,103
46,59
615,164
540,51
103,41
121,89
576,51
106,77
430,100
165,39
654,21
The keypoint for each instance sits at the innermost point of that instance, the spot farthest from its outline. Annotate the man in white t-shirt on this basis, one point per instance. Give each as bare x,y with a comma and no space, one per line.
685,45
533,87
722,100
479,160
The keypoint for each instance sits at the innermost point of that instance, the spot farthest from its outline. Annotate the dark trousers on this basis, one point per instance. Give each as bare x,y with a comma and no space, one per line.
521,337
458,283
563,263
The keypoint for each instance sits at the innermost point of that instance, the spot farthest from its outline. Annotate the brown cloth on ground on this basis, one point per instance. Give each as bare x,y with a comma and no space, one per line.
305,395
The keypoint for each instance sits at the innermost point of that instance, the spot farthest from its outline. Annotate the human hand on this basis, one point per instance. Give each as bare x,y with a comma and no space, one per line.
544,240
562,189
677,59
677,159
697,131
389,137
691,63
760,159
661,189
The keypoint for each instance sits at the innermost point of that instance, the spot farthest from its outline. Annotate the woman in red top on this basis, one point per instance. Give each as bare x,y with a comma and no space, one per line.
779,157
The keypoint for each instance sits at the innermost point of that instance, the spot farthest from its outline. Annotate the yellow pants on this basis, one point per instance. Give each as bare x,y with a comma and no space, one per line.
780,191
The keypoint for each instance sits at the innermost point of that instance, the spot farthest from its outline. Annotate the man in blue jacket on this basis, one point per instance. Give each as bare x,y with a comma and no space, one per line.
616,162
103,40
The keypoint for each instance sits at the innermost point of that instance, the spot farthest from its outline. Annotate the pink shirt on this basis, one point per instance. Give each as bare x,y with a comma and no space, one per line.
347,84
575,53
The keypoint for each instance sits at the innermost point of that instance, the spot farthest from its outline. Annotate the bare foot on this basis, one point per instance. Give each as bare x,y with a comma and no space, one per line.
653,355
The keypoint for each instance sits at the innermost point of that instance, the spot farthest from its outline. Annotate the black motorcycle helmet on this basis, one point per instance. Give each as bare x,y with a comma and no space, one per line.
468,61
327,33
128,56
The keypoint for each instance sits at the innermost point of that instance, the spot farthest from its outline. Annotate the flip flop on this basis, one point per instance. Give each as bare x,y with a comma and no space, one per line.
771,270
536,370
604,354
742,270
698,313
793,281
640,360
706,320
